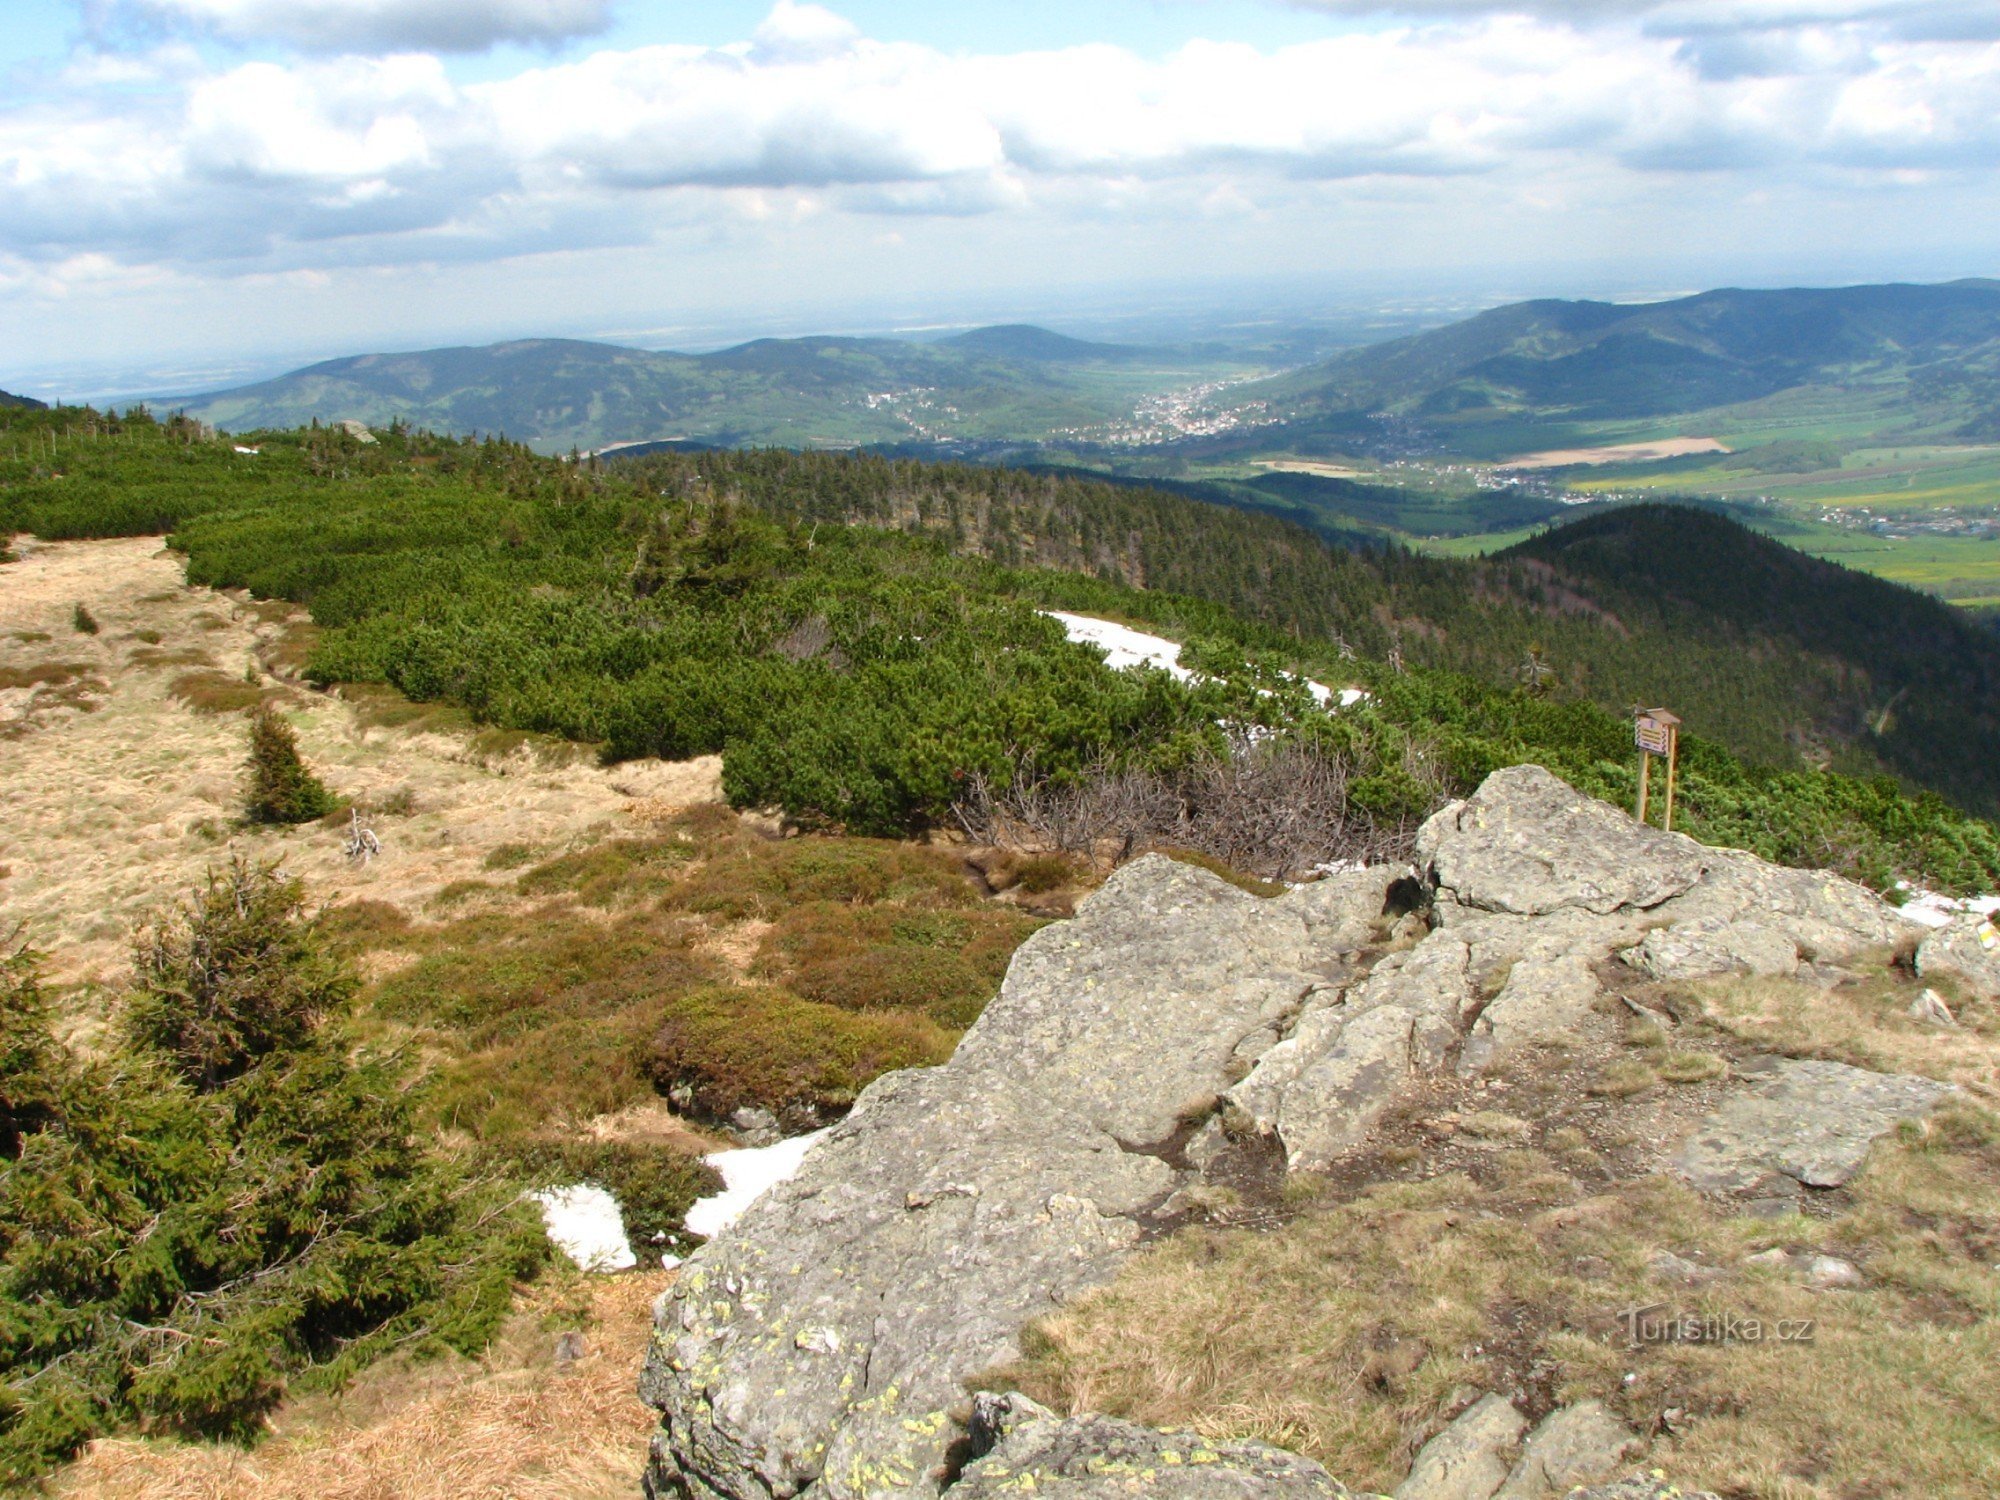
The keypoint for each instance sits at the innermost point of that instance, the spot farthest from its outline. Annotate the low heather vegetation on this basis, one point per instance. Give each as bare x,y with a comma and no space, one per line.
867,680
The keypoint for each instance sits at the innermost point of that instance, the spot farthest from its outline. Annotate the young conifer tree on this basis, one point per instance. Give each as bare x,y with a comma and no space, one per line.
282,789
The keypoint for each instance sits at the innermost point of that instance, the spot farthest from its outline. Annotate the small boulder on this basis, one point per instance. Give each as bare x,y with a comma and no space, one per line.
1809,1121
1968,950
1025,1449
1471,1458
1572,1446
1929,1007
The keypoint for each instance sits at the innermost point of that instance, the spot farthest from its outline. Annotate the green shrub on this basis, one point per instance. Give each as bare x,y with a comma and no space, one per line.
84,621
722,1048
181,1244
233,975
281,789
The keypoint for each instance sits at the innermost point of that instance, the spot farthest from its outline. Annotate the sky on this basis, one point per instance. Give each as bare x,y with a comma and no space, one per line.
196,190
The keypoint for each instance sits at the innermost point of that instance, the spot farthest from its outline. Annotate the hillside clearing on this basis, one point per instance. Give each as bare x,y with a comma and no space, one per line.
121,790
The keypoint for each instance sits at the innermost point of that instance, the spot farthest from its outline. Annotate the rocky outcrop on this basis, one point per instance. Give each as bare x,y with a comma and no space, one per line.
1801,1123
1572,1446
1471,1458
823,1345
825,1340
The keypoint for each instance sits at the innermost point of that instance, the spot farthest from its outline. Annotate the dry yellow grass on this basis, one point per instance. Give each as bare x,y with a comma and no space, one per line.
517,1424
118,794
1866,1025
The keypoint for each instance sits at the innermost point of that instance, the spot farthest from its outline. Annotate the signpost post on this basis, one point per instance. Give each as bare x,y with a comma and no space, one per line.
1657,732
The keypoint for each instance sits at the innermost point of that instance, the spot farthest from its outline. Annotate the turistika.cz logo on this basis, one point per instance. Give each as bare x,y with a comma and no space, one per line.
1657,1325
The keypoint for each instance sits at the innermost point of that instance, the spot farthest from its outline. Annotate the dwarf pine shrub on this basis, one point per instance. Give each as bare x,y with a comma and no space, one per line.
181,1243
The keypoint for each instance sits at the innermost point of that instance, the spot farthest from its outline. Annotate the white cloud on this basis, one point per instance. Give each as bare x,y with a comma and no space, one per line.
387,160
387,25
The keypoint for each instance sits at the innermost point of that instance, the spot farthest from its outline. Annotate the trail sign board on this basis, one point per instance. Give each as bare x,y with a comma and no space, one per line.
1654,731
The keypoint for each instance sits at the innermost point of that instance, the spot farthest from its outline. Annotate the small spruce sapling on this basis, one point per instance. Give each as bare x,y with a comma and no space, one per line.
282,789
84,620
237,973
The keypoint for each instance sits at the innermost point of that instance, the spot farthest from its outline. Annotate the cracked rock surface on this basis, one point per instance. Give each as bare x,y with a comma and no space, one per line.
825,1340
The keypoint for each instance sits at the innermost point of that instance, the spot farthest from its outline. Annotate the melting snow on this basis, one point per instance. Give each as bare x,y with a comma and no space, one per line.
745,1176
1125,648
1933,910
584,1223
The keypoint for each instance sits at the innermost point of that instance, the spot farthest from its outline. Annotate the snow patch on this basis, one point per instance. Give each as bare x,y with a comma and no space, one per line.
1125,648
1933,910
746,1174
584,1222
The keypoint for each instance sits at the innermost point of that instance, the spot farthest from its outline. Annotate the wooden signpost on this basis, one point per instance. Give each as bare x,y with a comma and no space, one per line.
1657,732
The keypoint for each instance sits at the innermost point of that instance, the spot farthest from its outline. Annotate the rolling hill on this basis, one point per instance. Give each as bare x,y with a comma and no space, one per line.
809,392
22,403
1590,361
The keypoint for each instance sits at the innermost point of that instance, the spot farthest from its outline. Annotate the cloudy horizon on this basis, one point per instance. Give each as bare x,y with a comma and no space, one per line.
187,184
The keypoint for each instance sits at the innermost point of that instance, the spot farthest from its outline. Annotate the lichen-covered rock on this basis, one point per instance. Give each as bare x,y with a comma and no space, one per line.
1811,1122
1528,843
824,1341
1968,950
1028,1450
821,1347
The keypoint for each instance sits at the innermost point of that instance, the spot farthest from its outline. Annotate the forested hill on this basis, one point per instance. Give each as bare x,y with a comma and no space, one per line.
21,403
1922,679
1600,360
768,606
1782,657
558,393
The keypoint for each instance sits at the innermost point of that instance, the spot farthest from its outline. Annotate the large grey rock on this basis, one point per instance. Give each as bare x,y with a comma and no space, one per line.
1529,843
1031,1451
1471,1458
1702,947
1572,1446
823,1343
1810,1121
1743,913
1967,950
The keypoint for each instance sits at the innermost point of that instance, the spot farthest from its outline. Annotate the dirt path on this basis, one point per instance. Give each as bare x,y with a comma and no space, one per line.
118,794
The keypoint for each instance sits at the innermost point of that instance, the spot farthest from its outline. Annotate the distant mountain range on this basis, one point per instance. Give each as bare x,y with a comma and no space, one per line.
1599,360
28,403
1003,382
